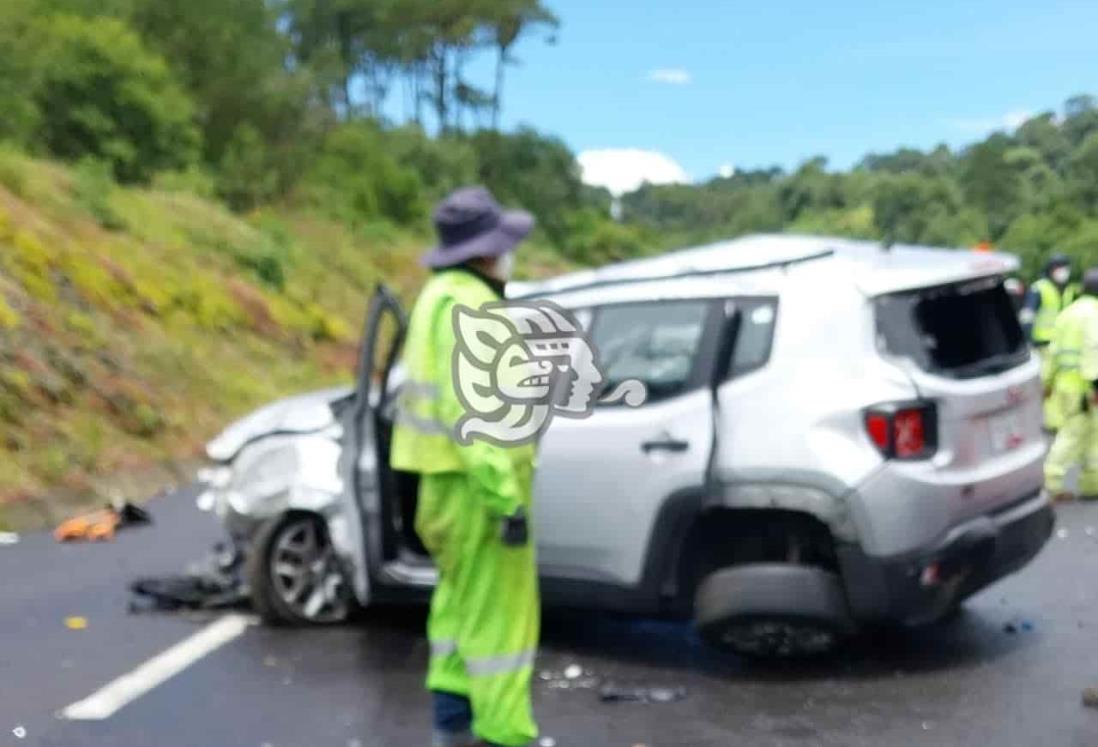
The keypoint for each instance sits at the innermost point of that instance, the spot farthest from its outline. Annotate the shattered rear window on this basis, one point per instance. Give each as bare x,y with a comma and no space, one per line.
961,330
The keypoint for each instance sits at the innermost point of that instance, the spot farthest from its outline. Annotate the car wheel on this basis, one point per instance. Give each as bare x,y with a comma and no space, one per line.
772,610
294,574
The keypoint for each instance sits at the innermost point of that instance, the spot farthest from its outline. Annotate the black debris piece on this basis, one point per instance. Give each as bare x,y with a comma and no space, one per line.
215,584
613,693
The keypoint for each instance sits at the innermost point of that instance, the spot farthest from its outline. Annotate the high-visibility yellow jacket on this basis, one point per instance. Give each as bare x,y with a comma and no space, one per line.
1070,365
428,407
1053,301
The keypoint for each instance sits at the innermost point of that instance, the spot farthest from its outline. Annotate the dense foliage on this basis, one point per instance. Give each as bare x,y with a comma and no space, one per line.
235,176
1030,191
363,111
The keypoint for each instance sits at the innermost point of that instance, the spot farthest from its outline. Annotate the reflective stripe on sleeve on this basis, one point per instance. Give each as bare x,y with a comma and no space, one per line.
499,664
1067,358
443,648
426,426
419,390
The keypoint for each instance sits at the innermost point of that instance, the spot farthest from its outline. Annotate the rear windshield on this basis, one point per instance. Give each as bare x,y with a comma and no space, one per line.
961,330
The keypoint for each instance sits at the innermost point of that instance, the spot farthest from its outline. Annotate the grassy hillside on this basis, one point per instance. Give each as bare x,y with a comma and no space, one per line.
134,323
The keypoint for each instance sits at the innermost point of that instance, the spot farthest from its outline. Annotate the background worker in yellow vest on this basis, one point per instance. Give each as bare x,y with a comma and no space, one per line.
474,498
1071,363
1047,297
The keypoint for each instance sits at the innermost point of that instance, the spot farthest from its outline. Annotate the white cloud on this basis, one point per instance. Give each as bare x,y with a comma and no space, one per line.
726,170
674,76
622,170
1009,121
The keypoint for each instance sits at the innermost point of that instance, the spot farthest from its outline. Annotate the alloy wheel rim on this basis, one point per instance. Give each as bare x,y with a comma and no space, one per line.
305,573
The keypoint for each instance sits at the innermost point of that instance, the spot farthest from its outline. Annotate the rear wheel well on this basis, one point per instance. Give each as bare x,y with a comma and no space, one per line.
725,537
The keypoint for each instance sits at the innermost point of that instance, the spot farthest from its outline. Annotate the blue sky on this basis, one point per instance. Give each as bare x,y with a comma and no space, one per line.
757,83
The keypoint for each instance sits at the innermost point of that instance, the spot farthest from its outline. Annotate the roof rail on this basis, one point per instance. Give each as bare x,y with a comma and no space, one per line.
782,263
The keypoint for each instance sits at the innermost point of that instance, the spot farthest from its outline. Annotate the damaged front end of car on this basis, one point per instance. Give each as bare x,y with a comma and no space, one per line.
275,484
282,457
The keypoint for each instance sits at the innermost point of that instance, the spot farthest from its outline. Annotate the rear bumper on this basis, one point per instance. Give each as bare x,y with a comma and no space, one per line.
922,586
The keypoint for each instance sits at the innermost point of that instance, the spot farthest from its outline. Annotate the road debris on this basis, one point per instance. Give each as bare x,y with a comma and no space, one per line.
1090,697
76,622
8,538
1015,626
215,583
1062,533
547,742
100,526
19,732
612,693
572,677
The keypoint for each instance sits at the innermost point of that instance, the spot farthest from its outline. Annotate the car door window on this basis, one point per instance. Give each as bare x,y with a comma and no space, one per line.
754,336
657,343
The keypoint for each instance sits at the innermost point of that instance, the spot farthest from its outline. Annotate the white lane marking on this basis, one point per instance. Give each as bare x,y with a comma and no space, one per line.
157,670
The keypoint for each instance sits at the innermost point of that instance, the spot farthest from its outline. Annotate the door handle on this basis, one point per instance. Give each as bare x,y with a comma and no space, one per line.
666,443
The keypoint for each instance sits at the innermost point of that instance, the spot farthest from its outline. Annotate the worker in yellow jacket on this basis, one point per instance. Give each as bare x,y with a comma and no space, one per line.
474,496
1047,297
1071,365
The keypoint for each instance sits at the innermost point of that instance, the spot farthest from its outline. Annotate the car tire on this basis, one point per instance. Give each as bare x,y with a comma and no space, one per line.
294,575
772,610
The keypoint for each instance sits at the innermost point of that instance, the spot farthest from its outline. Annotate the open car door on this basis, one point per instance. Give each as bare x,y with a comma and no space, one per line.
361,525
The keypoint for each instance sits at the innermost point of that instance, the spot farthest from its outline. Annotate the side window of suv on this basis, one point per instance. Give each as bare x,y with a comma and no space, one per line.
657,342
755,336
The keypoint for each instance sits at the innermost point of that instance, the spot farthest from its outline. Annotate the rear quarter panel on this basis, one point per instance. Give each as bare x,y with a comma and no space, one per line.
790,435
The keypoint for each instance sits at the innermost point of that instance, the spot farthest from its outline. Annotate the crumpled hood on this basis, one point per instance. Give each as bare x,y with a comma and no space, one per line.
304,413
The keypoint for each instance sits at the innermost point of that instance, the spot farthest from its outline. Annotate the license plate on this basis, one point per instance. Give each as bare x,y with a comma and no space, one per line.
1007,430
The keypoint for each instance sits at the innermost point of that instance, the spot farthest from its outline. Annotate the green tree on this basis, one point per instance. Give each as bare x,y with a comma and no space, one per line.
1080,118
534,171
355,178
1083,174
509,20
20,71
810,187
231,58
442,163
991,184
1044,135
246,178
101,93
911,208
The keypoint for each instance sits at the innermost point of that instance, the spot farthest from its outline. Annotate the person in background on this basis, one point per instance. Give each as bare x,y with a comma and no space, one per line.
474,499
1071,364
1047,297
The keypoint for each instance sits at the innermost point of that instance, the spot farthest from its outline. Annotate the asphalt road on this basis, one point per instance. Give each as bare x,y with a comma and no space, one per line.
966,682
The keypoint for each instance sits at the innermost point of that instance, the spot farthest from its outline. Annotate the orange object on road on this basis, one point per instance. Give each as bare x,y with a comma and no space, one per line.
100,526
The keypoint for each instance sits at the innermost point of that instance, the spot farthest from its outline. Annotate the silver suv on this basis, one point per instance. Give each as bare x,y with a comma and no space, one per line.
837,432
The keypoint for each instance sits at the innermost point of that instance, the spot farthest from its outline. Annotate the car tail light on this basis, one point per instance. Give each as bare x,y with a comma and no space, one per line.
904,430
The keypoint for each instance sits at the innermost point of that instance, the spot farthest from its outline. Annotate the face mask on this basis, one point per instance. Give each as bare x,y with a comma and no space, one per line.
504,266
1061,275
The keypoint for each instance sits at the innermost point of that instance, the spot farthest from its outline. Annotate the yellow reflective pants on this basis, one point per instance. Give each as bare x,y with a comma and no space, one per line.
1076,443
485,612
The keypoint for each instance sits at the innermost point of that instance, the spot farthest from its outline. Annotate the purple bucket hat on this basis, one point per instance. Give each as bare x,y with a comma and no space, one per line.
470,223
